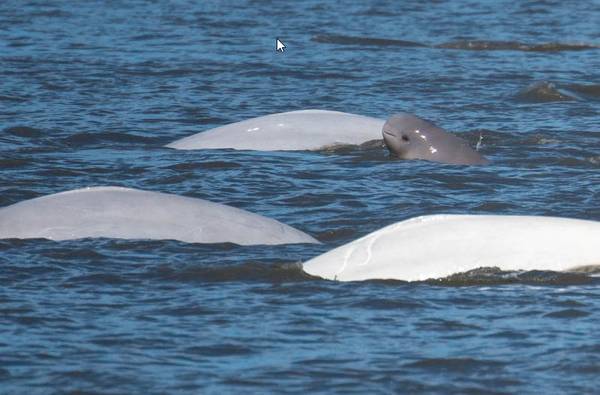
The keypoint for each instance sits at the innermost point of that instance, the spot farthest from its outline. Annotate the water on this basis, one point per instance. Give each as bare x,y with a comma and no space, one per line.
90,92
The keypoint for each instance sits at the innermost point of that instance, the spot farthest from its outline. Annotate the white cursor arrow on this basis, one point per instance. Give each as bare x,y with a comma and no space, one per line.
279,45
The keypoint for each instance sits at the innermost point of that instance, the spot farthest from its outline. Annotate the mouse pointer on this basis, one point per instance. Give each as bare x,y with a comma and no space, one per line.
279,45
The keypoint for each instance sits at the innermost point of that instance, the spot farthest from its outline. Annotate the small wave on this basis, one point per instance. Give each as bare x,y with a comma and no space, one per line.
220,350
588,91
388,304
23,131
88,139
17,99
243,272
148,72
96,279
337,234
308,74
147,36
351,40
211,165
567,314
14,163
470,45
490,45
495,276
541,139
456,364
55,13
444,325
543,92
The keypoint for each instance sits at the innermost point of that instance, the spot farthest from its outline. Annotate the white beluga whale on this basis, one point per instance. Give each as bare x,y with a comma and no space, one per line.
308,130
123,213
437,246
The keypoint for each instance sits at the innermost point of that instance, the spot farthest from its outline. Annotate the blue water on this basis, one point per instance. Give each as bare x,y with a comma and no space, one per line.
90,92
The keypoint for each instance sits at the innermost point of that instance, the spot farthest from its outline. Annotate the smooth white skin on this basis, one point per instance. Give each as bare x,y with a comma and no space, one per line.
124,213
288,131
437,246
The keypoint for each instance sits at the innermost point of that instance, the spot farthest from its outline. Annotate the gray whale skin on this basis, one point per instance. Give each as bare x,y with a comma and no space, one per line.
410,137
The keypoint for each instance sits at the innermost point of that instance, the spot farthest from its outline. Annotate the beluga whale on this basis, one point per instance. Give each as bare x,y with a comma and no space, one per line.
124,213
437,246
410,137
307,130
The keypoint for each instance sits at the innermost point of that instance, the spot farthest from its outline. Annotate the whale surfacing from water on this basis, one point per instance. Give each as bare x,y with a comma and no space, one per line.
410,137
437,246
123,213
307,130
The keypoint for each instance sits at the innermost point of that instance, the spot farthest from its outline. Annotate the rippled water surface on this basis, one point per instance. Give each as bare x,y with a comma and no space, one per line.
91,91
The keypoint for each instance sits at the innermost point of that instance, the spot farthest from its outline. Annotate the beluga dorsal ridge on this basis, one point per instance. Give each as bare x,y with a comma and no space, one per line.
124,213
304,130
438,246
410,137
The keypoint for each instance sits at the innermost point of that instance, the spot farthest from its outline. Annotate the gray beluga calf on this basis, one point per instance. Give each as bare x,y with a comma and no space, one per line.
288,131
123,213
410,137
